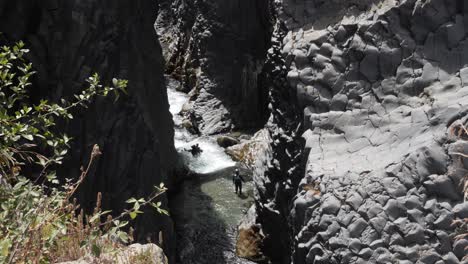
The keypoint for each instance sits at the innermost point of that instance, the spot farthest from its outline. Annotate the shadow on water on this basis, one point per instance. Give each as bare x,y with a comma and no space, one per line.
205,232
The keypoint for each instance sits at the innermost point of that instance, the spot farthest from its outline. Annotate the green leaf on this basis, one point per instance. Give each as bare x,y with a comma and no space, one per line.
94,218
131,200
123,236
133,215
5,245
28,137
96,250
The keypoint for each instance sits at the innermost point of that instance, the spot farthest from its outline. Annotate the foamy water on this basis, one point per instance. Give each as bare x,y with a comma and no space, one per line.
213,157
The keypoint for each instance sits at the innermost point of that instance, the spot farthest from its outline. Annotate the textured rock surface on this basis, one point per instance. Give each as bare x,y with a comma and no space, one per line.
135,253
382,89
69,40
217,48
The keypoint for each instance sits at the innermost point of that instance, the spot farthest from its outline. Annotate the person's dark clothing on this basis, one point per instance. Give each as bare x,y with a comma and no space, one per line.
238,187
237,179
195,150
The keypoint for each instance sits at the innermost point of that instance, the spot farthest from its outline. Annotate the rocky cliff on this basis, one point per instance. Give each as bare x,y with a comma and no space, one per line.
365,171
217,49
69,40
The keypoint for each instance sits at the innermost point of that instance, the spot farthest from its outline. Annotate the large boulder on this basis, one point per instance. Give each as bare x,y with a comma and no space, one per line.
227,141
135,254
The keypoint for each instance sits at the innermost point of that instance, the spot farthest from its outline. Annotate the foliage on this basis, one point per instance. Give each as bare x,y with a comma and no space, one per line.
25,127
38,221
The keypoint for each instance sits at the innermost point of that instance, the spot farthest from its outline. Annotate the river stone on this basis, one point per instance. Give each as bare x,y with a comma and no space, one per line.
227,141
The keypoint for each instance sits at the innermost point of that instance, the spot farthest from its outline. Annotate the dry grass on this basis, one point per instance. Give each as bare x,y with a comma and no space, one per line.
46,228
459,131
54,232
249,244
313,188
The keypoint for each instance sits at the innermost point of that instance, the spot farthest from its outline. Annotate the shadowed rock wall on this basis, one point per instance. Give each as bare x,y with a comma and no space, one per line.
217,48
70,40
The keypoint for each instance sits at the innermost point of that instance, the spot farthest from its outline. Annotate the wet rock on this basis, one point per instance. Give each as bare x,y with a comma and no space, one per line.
227,141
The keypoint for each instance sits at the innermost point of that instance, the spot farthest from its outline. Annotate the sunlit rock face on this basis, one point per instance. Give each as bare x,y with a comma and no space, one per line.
69,40
217,49
382,87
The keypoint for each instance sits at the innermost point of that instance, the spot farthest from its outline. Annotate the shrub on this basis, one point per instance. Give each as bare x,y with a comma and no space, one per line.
39,223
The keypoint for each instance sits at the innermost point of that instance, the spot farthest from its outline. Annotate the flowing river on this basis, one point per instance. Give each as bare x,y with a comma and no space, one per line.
206,209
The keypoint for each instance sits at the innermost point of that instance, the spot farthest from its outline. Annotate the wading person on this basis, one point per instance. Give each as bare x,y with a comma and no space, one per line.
195,150
237,179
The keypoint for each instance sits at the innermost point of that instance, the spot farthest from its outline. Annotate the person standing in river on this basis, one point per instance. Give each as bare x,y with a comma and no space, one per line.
237,180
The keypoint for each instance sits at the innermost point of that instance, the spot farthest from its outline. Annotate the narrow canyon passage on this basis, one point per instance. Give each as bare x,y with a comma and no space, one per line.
206,210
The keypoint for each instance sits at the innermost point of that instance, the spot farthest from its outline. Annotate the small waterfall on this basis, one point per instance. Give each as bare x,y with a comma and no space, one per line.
213,157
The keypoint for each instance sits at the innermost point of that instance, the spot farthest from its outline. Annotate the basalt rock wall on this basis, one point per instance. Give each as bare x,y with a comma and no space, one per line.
217,49
381,87
70,40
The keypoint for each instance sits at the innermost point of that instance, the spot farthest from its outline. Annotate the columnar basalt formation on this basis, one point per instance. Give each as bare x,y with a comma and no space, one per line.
217,50
383,89
70,40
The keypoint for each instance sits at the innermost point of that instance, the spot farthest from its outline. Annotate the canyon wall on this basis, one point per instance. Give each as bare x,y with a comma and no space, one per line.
367,170
69,41
217,50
